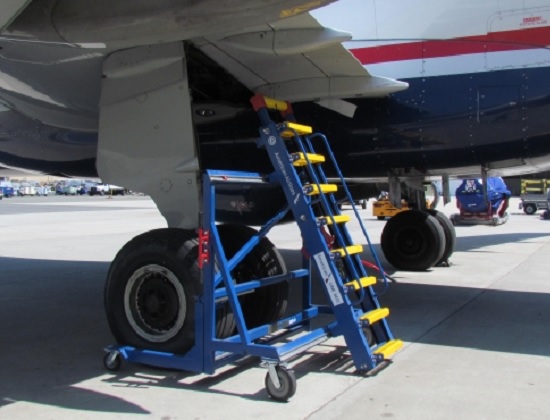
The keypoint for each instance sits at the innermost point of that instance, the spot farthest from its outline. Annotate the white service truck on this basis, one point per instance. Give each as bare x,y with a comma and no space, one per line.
535,195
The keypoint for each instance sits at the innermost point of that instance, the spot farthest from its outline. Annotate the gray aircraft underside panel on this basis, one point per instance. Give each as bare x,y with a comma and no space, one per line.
9,10
146,140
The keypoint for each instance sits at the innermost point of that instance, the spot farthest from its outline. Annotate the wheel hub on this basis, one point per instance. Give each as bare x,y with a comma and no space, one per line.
155,303
409,241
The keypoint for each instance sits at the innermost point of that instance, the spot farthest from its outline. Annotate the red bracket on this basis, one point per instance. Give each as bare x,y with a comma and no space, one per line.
204,255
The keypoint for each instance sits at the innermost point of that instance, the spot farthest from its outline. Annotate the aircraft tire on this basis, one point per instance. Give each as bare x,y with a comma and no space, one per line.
150,290
413,240
450,235
265,304
163,263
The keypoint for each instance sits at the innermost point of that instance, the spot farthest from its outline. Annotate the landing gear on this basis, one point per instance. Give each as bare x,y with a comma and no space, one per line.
154,279
450,236
413,240
150,291
265,304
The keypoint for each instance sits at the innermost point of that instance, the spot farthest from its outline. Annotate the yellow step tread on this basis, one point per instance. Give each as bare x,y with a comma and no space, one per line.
352,249
291,129
300,159
389,348
312,189
339,218
375,315
363,282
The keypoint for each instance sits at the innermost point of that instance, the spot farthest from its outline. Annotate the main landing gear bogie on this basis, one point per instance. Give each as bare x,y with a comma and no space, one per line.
154,280
416,240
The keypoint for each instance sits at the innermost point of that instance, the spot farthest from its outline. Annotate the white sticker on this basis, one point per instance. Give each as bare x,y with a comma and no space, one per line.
328,278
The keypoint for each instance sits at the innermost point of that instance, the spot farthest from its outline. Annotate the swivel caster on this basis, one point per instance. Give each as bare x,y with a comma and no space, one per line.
286,386
112,361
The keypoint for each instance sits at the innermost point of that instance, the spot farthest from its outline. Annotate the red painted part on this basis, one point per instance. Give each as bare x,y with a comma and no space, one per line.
204,256
522,39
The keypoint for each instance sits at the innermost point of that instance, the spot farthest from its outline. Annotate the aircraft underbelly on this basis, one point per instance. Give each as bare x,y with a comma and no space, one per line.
10,10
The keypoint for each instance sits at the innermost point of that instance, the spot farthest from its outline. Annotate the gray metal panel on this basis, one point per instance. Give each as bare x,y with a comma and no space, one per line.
9,10
146,139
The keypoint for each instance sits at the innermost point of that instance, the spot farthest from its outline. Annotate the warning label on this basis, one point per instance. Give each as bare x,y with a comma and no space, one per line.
328,278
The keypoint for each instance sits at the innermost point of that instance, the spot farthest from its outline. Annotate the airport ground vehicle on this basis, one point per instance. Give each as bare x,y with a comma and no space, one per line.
6,189
535,195
383,207
224,328
482,202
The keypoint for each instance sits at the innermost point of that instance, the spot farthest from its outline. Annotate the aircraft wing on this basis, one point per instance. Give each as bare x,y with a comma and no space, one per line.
296,59
10,10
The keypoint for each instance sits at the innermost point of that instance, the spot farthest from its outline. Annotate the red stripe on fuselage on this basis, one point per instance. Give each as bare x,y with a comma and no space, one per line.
522,39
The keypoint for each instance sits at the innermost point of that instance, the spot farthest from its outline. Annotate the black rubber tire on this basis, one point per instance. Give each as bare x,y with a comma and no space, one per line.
413,240
265,304
363,204
530,208
381,217
147,282
287,387
450,235
176,250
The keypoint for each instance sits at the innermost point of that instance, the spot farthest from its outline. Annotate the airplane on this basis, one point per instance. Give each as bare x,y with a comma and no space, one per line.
149,94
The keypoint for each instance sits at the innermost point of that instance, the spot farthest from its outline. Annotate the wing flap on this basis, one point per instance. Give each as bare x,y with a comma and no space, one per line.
296,59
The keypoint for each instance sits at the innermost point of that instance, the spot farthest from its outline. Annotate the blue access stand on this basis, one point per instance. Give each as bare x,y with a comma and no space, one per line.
353,305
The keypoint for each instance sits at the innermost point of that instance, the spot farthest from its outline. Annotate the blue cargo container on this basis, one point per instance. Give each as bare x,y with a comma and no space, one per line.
6,189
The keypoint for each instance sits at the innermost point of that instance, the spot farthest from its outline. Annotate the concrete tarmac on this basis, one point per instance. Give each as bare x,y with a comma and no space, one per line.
477,334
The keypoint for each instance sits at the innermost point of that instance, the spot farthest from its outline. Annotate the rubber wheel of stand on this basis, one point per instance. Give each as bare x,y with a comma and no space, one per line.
287,384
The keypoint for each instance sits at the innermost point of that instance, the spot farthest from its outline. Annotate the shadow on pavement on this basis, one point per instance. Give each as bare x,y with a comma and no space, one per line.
53,328
53,331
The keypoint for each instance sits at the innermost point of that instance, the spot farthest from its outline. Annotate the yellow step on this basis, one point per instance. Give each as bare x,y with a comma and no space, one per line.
389,348
291,129
300,159
311,189
362,283
352,249
375,315
339,218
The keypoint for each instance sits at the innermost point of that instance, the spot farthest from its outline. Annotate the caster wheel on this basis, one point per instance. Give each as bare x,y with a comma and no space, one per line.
287,384
112,361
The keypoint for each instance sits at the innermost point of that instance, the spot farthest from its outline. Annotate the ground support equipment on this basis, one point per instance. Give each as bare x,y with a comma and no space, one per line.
353,307
481,203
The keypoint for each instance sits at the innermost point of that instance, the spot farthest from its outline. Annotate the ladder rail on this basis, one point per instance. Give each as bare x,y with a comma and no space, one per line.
343,239
356,212
373,294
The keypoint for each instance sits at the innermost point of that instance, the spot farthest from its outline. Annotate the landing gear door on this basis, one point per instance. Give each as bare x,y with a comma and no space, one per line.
146,135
